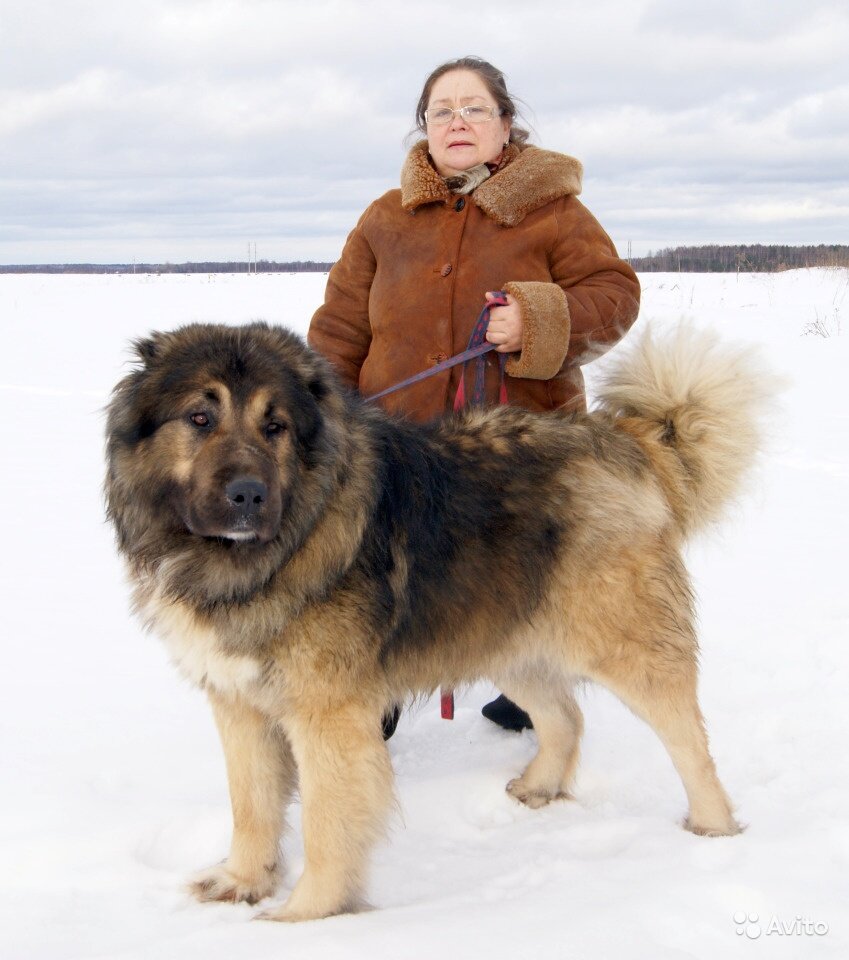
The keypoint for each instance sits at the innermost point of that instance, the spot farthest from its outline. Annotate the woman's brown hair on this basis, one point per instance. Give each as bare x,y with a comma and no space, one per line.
495,83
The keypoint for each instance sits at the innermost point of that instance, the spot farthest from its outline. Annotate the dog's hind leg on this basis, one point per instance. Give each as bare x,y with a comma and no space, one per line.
345,783
658,682
558,725
261,775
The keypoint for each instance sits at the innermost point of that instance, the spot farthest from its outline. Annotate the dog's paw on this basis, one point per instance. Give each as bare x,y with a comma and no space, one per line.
219,883
728,829
282,915
533,797
289,913
307,903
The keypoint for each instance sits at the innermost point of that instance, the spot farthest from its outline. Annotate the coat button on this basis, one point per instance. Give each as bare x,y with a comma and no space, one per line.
458,206
445,270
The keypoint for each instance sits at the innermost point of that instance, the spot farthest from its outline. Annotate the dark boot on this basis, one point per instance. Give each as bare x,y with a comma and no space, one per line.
506,714
390,721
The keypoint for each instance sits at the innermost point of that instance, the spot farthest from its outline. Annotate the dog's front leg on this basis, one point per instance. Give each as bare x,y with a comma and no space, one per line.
261,776
345,782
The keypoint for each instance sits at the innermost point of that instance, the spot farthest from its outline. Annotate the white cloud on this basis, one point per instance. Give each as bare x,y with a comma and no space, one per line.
183,127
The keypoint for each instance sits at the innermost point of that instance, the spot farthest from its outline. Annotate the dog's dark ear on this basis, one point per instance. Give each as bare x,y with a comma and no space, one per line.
318,387
131,418
305,395
309,425
149,348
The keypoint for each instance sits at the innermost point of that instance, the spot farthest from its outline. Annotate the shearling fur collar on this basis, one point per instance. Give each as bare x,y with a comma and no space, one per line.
531,179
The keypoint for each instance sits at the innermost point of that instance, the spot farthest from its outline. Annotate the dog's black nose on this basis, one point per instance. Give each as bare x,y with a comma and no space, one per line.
247,495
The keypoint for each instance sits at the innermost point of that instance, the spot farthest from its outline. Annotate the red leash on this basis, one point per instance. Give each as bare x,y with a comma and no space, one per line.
478,346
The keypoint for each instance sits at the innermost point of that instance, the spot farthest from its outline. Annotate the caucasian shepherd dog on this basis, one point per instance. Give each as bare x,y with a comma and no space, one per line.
311,561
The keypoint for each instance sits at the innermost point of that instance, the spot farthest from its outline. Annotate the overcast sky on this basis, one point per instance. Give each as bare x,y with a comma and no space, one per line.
172,130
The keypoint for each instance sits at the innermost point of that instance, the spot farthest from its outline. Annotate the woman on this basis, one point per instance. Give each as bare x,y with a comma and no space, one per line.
478,211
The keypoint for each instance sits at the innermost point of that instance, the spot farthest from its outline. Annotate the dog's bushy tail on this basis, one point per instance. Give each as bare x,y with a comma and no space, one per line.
700,404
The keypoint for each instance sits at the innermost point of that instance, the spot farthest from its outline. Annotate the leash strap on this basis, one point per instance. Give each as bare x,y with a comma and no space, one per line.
446,699
476,349
446,704
458,358
477,339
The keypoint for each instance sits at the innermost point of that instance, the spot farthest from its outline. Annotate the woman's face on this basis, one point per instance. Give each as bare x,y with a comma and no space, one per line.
460,145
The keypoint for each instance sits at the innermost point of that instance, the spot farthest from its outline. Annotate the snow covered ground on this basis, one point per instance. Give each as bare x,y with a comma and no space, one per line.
113,787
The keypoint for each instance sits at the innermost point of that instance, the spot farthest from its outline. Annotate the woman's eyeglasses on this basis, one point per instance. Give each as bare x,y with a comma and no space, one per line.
473,113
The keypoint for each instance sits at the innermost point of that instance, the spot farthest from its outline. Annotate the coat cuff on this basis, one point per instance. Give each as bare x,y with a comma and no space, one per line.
545,329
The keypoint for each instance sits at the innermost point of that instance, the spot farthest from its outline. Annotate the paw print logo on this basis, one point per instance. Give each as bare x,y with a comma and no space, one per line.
747,925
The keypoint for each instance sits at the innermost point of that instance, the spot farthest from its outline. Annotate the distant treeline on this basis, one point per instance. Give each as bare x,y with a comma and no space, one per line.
751,258
754,258
260,266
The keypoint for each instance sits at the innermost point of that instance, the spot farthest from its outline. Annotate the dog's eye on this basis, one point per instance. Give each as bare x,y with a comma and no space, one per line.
274,428
200,419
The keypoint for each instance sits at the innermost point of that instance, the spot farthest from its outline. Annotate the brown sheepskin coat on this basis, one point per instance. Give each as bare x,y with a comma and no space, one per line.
410,283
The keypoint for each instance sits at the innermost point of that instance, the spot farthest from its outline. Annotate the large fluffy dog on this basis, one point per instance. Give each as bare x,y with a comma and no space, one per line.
310,561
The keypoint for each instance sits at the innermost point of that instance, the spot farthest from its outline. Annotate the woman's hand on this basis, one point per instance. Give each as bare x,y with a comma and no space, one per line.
505,325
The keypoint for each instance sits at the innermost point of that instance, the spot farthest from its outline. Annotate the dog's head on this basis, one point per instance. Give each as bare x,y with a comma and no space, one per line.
213,436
